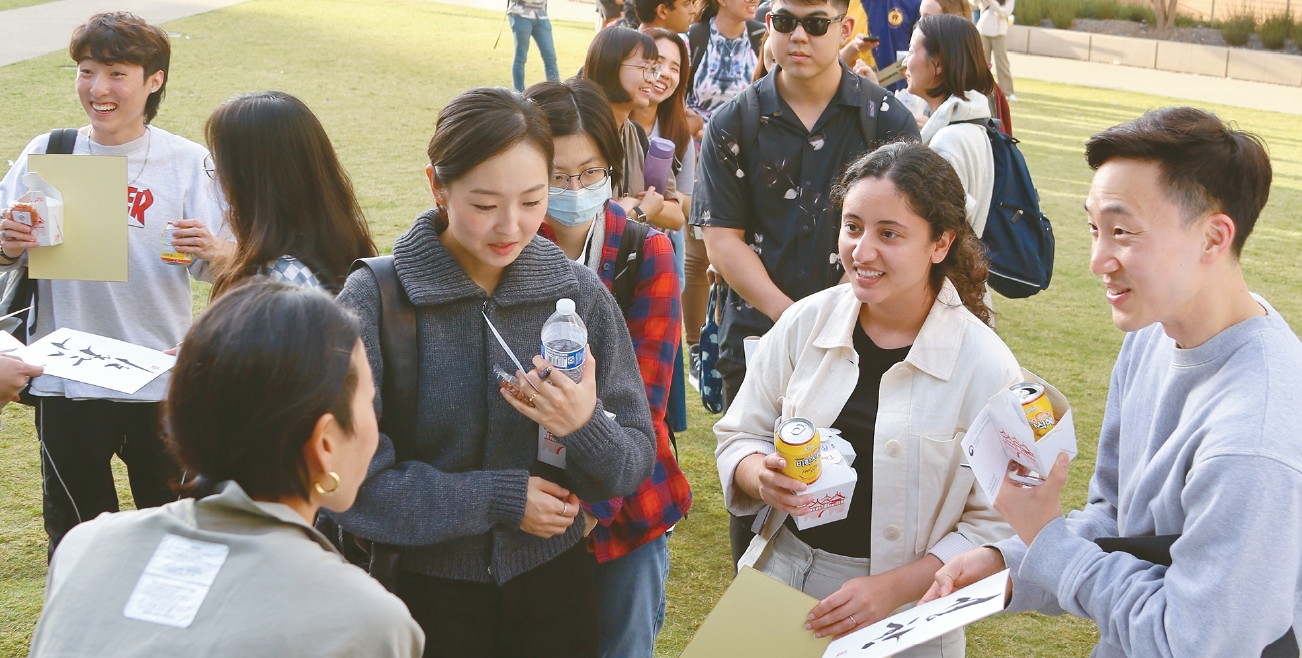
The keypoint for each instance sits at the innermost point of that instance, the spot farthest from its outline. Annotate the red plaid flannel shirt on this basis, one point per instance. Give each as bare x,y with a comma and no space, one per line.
655,322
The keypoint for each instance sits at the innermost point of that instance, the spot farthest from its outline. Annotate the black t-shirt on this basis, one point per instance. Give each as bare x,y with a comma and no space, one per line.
858,420
777,191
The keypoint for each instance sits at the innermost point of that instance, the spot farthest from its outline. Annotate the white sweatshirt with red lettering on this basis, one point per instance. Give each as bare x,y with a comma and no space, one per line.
166,182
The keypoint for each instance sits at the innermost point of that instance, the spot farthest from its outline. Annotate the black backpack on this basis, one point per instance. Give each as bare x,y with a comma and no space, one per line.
698,40
1018,237
628,263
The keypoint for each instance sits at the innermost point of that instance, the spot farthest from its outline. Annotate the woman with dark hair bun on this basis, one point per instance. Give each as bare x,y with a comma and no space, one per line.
899,361
289,201
270,414
945,67
483,497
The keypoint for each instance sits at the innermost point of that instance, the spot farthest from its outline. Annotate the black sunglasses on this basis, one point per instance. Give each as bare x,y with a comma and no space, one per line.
815,26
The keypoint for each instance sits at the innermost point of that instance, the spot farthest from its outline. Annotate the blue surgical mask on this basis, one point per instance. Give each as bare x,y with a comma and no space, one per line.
574,207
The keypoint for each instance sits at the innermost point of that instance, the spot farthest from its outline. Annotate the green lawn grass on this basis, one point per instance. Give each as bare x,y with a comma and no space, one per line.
14,4
377,72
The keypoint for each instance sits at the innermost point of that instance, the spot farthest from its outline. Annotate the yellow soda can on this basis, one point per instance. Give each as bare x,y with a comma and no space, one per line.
1039,411
798,442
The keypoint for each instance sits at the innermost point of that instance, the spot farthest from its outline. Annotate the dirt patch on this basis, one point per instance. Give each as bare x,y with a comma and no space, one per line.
1200,35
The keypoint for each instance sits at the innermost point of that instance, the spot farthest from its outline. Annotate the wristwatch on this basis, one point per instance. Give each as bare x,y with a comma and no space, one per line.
640,216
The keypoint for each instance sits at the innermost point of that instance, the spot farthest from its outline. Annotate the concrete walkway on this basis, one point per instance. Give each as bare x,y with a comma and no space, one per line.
1202,88
33,31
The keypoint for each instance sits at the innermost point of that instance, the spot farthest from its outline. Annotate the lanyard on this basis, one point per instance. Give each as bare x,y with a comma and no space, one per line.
506,349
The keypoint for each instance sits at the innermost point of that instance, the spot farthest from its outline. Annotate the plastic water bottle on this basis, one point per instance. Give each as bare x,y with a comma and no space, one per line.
565,340
659,161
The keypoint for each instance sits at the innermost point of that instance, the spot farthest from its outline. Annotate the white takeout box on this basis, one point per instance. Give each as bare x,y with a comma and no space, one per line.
47,201
833,489
1001,432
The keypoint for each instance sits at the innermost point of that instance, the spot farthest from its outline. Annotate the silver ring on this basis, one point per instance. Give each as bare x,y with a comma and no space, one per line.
565,509
852,621
4,235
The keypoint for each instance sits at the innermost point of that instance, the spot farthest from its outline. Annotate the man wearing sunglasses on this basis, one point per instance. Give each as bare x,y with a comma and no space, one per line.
766,169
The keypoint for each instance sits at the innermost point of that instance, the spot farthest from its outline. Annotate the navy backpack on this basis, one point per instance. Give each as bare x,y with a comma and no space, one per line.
1018,237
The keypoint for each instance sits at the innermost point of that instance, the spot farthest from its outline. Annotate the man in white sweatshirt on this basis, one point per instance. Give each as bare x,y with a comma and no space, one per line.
1199,467
122,64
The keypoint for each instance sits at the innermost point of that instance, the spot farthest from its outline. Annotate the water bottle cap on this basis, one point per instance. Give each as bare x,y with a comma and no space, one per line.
660,147
565,306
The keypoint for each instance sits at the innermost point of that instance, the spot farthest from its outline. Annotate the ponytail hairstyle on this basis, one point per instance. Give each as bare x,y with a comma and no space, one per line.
931,189
477,126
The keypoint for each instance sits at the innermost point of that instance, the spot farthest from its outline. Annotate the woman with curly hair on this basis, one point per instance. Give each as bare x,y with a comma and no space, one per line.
899,360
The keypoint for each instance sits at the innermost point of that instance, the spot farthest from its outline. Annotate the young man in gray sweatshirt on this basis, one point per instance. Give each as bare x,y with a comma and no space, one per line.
1201,445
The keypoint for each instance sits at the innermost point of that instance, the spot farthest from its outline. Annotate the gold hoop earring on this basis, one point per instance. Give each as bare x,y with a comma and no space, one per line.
321,490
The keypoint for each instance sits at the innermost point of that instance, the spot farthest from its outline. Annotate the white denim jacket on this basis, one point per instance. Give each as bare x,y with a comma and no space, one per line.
922,500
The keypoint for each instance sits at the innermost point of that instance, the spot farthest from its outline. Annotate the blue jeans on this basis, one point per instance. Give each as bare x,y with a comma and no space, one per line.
631,600
541,30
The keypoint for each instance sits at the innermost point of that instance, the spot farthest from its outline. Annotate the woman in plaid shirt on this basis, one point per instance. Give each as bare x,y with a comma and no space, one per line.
630,542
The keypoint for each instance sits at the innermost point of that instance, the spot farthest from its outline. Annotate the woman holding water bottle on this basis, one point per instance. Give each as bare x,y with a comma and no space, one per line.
630,545
484,500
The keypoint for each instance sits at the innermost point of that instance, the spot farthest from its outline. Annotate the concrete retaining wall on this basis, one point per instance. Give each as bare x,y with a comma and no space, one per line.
1059,43
1218,61
1192,58
1123,50
1264,67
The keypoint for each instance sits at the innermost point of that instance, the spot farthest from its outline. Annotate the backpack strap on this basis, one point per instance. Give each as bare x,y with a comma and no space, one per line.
62,141
628,263
698,40
398,351
748,112
873,95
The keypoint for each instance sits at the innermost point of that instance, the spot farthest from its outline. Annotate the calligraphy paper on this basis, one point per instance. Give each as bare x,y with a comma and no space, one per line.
97,360
927,621
758,617
94,245
10,345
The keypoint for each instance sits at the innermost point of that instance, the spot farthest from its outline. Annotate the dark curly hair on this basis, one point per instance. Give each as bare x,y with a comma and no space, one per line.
933,191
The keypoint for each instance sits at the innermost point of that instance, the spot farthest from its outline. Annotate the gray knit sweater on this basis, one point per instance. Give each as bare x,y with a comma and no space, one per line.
458,504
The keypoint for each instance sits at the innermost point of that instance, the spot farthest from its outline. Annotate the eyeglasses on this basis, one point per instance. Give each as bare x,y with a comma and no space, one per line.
651,70
590,178
815,26
209,168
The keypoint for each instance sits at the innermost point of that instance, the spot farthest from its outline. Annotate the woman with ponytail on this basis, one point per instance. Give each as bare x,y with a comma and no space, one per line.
899,360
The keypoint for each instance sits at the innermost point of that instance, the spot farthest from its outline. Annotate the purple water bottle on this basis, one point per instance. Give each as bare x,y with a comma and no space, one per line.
659,159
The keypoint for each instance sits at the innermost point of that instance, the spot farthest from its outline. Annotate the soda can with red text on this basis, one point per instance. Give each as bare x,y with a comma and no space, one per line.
170,254
1039,411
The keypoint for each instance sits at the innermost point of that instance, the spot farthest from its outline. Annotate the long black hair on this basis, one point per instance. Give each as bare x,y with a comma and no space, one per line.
286,191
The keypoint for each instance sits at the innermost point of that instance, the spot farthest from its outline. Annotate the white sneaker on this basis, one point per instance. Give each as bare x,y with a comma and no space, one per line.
1012,98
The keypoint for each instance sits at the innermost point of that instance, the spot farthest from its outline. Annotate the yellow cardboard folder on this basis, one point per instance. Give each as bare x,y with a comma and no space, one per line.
94,189
758,617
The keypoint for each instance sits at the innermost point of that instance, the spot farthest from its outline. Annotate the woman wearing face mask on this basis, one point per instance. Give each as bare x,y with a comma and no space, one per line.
624,65
900,361
493,562
946,69
630,545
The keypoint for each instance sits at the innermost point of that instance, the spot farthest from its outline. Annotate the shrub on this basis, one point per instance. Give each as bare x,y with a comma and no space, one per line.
1031,12
1062,13
1104,10
1137,13
1237,29
1275,30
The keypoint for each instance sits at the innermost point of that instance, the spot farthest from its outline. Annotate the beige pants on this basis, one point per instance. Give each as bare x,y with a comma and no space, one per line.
999,45
819,574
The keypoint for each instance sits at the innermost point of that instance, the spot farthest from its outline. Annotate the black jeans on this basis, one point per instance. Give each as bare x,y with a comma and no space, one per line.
78,440
548,611
739,532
